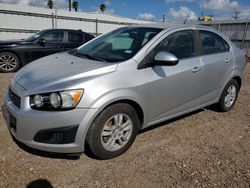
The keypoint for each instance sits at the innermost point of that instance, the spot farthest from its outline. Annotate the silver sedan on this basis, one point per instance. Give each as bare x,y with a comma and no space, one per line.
100,95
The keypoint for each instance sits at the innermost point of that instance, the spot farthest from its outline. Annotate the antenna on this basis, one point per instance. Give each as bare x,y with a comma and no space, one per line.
200,18
185,21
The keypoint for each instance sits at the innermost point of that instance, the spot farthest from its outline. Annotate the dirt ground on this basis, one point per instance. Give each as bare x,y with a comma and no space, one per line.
202,149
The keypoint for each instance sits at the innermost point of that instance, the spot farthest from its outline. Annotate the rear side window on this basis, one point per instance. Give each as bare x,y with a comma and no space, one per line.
212,43
75,37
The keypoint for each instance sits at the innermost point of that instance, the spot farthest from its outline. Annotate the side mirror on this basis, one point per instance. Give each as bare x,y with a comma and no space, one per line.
165,59
41,41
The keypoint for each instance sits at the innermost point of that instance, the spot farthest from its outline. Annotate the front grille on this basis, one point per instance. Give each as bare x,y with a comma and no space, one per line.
15,98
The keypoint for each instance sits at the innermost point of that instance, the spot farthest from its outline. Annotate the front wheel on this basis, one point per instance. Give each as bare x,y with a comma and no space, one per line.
113,131
228,96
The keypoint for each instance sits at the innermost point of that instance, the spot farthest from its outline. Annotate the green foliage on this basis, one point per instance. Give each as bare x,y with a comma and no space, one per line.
102,7
75,5
50,4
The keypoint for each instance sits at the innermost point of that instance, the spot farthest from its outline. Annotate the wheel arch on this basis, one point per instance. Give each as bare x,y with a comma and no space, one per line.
16,54
238,79
92,115
235,74
135,105
131,97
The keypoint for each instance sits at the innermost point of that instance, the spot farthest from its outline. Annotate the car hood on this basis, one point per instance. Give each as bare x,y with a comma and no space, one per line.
13,42
60,71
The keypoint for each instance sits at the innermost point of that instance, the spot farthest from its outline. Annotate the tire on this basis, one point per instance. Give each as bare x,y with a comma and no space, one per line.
228,96
9,62
113,131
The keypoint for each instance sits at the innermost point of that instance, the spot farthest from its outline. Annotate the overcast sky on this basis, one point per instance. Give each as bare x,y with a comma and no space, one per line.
154,9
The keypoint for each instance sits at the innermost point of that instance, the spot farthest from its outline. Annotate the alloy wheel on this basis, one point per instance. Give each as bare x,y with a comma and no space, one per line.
230,96
116,132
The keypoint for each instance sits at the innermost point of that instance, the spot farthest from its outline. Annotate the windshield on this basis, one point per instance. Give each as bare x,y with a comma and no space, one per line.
35,36
118,45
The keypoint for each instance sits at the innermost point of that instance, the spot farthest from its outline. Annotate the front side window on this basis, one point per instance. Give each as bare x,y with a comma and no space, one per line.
53,36
181,44
212,43
119,45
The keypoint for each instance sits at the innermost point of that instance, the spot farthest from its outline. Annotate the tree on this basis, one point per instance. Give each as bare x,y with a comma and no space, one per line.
75,5
50,4
102,7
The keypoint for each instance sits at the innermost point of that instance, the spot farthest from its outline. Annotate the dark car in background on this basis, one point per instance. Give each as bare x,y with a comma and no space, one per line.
15,54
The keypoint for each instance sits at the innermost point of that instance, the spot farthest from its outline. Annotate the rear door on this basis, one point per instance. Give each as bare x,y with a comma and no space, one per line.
174,89
217,61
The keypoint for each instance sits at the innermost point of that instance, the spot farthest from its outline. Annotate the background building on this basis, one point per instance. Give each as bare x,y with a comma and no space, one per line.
19,21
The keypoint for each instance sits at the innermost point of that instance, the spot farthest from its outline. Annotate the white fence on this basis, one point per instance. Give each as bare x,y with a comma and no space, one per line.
18,21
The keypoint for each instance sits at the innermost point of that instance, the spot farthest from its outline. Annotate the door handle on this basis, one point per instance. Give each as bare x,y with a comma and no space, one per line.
196,69
228,60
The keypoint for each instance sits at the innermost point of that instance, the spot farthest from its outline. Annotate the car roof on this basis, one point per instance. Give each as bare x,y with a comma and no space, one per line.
171,26
75,30
63,30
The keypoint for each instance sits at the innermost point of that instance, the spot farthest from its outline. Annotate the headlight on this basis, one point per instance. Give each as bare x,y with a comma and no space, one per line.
56,100
38,101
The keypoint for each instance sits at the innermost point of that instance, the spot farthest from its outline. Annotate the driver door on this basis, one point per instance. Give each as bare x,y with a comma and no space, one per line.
53,43
175,89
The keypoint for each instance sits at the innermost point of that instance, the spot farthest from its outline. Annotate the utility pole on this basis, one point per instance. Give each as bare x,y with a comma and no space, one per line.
69,5
236,16
163,18
53,26
55,14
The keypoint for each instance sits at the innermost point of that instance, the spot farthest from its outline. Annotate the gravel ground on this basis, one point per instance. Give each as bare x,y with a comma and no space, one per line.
201,149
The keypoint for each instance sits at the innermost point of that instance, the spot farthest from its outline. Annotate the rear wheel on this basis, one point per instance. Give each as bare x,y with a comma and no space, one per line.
9,62
113,131
228,96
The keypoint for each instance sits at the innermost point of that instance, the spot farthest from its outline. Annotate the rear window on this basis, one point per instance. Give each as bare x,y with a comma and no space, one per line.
88,37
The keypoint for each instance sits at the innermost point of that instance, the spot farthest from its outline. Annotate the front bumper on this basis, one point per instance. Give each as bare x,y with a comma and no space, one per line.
24,123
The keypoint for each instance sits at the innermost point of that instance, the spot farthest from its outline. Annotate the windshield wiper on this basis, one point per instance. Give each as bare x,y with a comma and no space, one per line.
88,56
